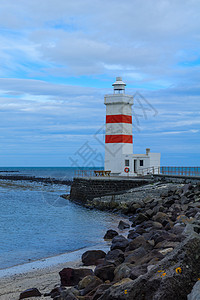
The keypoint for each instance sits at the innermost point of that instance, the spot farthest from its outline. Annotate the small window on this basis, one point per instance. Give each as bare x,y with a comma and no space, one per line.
126,162
141,163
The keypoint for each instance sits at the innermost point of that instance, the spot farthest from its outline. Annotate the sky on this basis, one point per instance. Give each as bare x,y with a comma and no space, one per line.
59,58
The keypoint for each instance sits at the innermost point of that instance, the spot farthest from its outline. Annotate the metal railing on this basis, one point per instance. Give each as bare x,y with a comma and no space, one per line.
84,173
150,170
91,173
184,171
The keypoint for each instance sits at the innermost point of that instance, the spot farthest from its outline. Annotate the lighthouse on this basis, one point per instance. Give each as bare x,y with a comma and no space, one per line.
119,157
118,136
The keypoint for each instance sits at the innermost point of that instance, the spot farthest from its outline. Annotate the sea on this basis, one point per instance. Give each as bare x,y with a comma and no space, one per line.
37,223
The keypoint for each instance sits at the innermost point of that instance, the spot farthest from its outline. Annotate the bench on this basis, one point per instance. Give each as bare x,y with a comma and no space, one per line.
102,173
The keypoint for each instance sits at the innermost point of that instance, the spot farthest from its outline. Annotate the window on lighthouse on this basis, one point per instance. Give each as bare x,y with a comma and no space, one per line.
126,162
141,163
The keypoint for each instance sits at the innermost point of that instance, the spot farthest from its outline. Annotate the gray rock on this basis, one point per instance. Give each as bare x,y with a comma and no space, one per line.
119,242
149,212
136,243
122,271
88,283
160,217
123,225
140,218
132,234
70,276
115,257
110,234
91,257
137,271
105,272
184,200
67,295
100,291
195,293
157,225
134,256
56,292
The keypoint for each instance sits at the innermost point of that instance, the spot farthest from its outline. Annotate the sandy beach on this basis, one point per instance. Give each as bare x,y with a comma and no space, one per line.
42,274
45,280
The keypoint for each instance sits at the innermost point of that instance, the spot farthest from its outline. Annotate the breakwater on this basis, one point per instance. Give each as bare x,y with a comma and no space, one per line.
84,189
36,179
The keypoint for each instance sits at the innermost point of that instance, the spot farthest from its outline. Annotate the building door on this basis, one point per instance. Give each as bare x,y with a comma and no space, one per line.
135,165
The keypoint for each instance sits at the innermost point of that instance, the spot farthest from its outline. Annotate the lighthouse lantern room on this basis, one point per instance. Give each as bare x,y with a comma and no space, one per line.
119,157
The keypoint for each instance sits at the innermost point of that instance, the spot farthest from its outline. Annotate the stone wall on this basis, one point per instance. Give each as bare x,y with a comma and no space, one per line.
83,189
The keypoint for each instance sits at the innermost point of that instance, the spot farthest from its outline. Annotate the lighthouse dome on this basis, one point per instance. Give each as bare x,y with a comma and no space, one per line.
119,86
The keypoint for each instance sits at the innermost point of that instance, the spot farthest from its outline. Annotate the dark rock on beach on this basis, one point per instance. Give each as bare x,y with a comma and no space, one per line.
30,293
70,277
92,256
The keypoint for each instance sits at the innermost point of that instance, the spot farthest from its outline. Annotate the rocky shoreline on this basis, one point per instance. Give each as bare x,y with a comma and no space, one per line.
158,259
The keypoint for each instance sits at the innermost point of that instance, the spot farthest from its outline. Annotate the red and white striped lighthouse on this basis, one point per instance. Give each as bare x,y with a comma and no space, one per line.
118,137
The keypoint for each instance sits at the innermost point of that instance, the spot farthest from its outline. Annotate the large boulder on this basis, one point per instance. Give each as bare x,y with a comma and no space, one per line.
119,242
135,255
91,257
172,278
136,243
139,219
122,271
132,234
88,283
115,257
123,225
102,288
110,234
105,272
66,295
55,292
70,277
137,271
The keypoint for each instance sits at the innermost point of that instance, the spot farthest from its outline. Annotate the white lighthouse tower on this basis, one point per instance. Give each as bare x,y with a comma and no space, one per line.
118,138
119,157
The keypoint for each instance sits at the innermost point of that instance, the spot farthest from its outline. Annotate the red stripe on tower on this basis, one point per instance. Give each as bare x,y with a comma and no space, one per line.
119,138
119,119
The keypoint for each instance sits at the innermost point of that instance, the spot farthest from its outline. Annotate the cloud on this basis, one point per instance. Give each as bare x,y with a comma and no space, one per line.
91,38
59,58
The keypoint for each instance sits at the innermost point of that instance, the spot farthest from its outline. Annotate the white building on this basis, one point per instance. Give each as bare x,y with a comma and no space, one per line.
119,157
